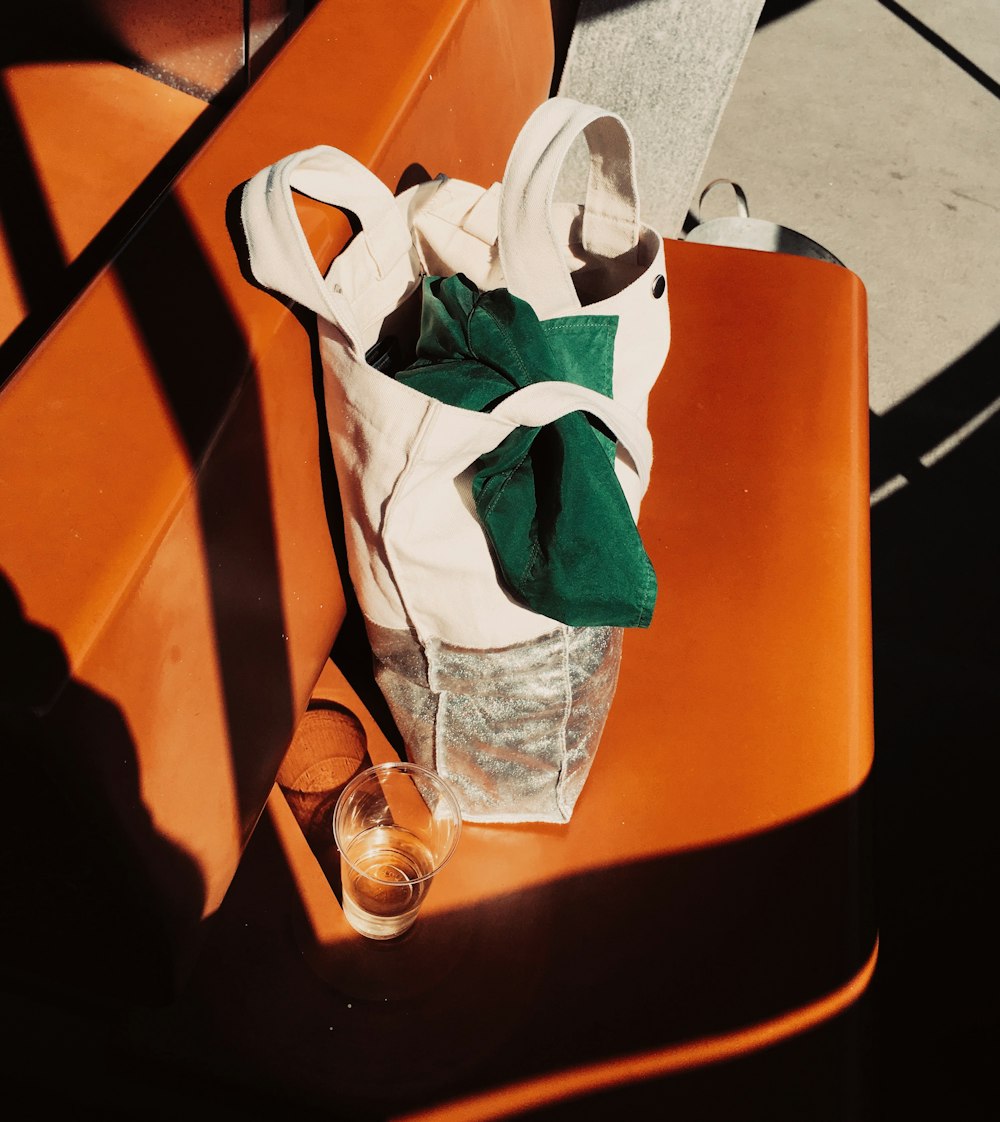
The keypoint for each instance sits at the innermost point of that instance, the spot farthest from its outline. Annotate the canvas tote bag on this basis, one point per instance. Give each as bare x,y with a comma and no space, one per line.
507,704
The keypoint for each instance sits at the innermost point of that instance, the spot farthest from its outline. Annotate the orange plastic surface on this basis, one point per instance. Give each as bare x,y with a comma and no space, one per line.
88,133
164,528
712,893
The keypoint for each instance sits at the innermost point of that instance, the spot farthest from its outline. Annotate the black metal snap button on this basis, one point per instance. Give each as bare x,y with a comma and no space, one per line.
659,286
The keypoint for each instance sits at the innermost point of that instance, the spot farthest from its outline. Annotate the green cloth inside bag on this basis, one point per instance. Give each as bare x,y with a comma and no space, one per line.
548,498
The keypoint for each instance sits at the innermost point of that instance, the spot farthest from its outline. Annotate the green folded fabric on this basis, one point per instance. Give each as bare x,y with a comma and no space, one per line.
557,520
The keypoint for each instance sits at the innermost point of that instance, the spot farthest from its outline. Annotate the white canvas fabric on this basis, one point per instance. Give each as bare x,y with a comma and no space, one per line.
419,559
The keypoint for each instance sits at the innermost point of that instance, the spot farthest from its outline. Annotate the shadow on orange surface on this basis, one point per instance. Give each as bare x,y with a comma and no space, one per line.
602,1088
204,373
579,973
71,193
101,744
683,980
588,998
584,972
85,918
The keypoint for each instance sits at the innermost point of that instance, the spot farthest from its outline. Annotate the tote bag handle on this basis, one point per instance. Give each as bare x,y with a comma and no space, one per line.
531,255
544,402
279,254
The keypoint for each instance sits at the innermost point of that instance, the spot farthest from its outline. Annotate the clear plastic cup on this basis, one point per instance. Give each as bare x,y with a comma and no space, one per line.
396,825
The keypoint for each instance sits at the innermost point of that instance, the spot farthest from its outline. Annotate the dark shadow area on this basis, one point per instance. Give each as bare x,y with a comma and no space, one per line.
59,31
564,15
599,965
778,9
815,1076
201,361
935,560
413,174
32,244
203,368
99,908
938,43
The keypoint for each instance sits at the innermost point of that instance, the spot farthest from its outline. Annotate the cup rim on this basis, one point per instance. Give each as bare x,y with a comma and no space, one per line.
402,766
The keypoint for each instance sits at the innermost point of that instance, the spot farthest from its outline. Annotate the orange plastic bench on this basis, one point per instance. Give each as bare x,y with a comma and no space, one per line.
88,134
713,894
173,595
169,588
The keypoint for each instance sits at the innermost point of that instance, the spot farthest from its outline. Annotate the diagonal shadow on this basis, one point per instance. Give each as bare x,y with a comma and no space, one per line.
951,53
205,373
202,364
203,367
35,253
48,282
931,415
33,33
778,9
